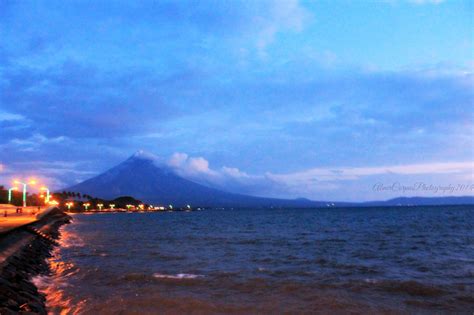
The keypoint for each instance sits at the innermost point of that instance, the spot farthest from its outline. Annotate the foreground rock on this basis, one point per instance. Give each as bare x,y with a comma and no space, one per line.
24,252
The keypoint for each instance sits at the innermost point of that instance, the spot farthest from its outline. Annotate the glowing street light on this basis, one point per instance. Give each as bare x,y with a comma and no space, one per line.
10,194
86,205
100,205
47,194
129,206
31,182
69,205
112,206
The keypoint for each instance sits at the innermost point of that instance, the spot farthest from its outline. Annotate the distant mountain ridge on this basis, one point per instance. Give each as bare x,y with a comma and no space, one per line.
145,177
423,201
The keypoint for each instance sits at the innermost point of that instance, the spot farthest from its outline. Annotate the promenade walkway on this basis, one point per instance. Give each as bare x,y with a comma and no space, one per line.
10,219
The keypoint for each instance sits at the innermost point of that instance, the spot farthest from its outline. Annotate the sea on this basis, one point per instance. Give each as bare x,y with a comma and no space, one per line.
265,261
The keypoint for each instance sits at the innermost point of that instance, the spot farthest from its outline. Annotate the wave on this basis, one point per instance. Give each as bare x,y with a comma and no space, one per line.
58,301
69,239
177,276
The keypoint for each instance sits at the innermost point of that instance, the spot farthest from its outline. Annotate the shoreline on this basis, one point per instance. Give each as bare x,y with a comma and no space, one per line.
24,253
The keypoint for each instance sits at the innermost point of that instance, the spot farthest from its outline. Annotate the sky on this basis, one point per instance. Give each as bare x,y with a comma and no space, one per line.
327,100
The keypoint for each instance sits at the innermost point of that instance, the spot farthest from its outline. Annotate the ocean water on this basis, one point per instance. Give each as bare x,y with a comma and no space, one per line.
293,261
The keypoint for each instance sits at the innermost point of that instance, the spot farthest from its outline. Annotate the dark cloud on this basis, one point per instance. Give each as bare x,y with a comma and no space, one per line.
79,101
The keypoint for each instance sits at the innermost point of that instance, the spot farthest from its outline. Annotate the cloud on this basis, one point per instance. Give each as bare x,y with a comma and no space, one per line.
281,16
227,178
354,173
6,116
33,143
310,182
192,166
54,174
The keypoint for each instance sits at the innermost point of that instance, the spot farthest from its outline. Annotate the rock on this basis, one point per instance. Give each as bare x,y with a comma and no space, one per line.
7,311
12,304
17,293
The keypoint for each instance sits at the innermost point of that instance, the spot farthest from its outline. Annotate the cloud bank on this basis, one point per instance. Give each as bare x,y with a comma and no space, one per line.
315,181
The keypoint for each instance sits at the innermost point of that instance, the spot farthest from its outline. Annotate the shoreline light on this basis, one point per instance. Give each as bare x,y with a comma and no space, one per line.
30,182
47,194
10,194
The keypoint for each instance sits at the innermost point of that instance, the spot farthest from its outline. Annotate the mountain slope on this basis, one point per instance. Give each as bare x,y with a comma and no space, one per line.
140,177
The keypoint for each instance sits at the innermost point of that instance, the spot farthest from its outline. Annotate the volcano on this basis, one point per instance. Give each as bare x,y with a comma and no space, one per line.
143,178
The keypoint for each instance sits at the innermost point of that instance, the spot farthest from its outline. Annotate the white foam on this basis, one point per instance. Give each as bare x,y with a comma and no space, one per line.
177,276
69,240
371,281
41,281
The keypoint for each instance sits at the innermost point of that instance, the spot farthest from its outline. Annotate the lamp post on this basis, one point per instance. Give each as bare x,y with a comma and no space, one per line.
86,205
112,206
47,194
10,194
31,182
100,205
69,205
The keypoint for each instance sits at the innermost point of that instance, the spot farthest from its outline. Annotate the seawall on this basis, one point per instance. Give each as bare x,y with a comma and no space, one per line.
23,253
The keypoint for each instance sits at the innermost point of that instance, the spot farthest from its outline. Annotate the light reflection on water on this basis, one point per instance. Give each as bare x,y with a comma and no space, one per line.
54,286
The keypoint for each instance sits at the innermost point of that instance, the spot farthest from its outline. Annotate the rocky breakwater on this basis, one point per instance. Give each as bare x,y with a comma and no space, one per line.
23,254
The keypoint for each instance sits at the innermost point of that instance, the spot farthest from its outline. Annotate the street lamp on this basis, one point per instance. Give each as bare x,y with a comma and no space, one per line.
112,206
31,182
69,205
86,205
47,194
10,194
100,205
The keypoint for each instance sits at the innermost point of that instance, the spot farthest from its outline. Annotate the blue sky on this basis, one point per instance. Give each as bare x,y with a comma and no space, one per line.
319,99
